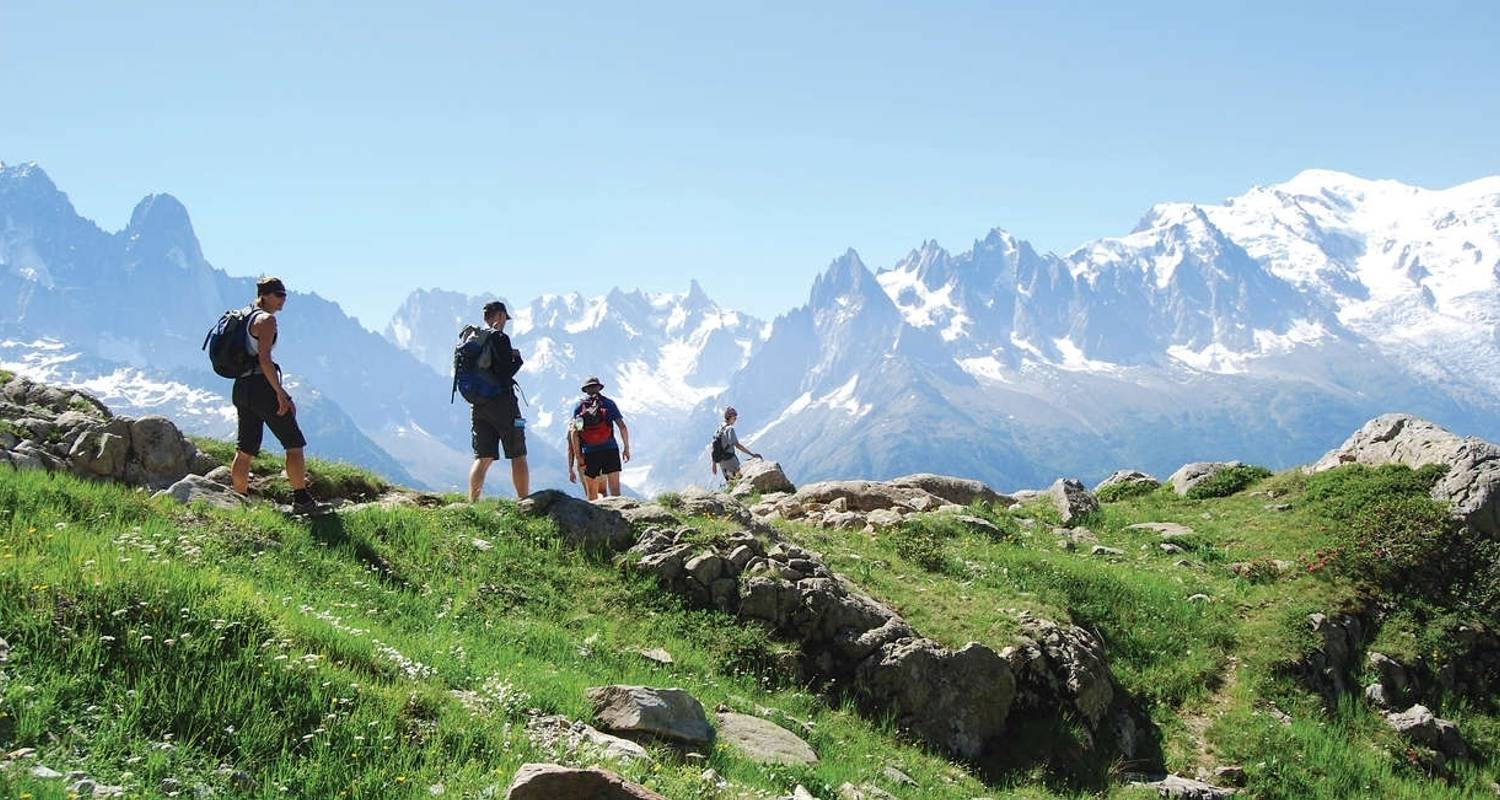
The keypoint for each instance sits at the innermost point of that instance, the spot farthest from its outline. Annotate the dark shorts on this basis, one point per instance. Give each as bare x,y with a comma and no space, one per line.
255,401
601,462
494,429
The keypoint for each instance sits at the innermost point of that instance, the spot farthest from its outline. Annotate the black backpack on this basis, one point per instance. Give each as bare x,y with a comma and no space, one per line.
719,451
225,343
471,366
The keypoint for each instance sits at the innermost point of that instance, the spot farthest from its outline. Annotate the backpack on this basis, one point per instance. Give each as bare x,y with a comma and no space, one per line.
596,429
225,343
720,453
471,361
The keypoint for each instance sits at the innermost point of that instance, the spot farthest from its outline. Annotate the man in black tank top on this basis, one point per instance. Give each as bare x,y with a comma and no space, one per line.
261,402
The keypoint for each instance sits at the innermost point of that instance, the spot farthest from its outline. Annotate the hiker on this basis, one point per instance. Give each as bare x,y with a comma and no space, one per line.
485,367
593,432
261,401
591,486
725,442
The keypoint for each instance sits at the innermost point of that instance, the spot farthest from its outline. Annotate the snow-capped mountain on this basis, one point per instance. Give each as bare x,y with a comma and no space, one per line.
658,355
1266,327
130,308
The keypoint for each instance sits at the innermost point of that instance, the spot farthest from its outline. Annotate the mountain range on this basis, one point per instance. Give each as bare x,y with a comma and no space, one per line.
1264,327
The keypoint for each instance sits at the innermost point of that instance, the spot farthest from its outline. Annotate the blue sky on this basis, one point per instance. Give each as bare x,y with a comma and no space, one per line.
364,149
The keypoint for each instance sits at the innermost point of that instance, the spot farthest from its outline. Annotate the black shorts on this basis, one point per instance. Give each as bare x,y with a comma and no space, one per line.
601,462
494,429
255,401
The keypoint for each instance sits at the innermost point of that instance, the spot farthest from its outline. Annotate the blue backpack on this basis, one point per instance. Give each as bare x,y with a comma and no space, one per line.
471,362
225,343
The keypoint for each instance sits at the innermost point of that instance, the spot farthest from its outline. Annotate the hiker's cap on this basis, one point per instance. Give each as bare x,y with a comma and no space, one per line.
593,382
494,307
270,285
730,412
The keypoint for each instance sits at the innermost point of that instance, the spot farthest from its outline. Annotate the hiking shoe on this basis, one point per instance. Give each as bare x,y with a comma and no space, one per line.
311,508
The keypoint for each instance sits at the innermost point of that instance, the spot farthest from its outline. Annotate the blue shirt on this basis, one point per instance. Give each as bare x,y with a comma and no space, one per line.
611,416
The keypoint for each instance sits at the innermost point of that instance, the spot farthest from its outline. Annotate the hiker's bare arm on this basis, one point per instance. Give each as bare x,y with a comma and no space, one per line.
741,446
624,439
573,456
264,331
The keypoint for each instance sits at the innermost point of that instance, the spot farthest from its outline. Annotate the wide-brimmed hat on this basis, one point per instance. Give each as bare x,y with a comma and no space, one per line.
593,380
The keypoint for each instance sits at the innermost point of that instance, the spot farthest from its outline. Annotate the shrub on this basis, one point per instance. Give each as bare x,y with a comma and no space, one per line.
1116,492
1228,481
6,377
669,500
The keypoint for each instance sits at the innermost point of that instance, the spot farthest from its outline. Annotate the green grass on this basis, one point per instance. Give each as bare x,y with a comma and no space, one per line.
1116,492
150,641
325,479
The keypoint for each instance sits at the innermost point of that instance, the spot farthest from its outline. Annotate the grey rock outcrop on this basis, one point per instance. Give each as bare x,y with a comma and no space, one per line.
62,429
1073,502
1188,476
556,782
637,513
669,715
764,476
959,491
1127,477
1471,484
198,489
1061,664
1327,670
762,741
579,522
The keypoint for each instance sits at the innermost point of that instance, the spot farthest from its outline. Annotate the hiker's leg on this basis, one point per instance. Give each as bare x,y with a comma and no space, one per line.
476,477
590,488
296,468
520,475
239,472
614,483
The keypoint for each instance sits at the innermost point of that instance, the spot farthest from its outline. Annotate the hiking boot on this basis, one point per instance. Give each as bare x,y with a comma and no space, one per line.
309,507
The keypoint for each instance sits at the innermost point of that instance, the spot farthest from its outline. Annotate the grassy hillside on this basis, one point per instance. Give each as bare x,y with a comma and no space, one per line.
267,657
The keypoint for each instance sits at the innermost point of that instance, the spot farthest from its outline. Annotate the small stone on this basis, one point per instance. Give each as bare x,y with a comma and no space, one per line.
44,773
436,790
81,787
801,793
1230,775
482,546
169,785
1101,550
656,654
1198,598
1168,547
21,753
1277,506
897,777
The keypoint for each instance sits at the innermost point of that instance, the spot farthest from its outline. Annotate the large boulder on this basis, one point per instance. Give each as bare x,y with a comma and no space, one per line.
556,782
579,522
670,715
1188,476
101,450
957,699
1472,483
1073,502
160,454
762,741
958,491
764,476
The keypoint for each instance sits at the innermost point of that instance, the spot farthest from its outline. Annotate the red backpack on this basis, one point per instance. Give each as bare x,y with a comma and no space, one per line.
596,428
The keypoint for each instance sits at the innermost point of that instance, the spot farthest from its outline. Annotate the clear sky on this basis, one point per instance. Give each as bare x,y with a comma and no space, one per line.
364,149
